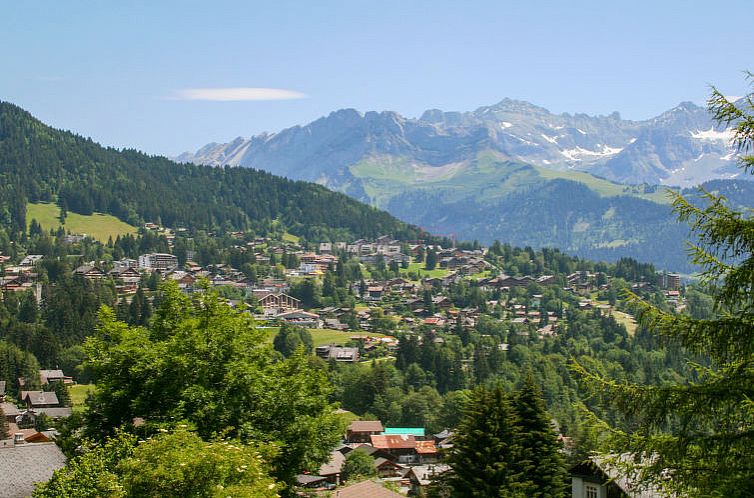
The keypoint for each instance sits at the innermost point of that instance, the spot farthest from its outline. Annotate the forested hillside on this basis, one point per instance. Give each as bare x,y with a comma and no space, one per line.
39,163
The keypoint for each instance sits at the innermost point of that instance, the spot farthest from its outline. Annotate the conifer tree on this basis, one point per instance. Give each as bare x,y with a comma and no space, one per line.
541,459
697,438
484,455
4,434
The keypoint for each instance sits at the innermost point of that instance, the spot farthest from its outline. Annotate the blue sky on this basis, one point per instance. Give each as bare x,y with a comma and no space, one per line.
137,74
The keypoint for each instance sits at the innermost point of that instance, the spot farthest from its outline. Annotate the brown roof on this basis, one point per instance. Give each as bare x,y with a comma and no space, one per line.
426,447
366,489
393,441
366,426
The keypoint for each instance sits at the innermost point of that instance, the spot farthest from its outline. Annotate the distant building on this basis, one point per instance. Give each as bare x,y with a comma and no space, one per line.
669,281
30,260
158,261
360,430
339,354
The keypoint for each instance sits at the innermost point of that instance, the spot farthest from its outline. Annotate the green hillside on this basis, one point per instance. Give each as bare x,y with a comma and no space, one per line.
97,225
488,176
39,164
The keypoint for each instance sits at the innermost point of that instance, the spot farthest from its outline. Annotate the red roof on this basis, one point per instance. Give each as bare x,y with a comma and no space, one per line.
394,442
426,447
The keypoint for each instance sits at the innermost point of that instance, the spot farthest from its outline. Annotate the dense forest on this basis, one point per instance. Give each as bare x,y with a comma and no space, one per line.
39,163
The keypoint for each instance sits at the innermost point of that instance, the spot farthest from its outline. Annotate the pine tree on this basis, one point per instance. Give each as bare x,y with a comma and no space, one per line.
431,262
4,434
541,459
701,433
484,455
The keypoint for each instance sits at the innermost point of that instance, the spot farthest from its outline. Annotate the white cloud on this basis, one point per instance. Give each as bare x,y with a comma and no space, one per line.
237,94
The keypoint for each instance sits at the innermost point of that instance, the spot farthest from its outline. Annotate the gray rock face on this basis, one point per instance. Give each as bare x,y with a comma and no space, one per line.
680,147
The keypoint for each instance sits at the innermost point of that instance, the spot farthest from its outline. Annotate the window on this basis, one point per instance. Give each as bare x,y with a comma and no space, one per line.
591,491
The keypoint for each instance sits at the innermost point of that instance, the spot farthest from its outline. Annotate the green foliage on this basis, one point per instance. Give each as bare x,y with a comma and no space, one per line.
4,434
182,465
700,432
290,338
92,474
41,164
168,465
16,364
203,362
485,451
506,447
358,465
542,461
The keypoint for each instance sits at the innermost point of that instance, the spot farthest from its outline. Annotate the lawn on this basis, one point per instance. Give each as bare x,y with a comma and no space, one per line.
98,225
78,394
323,337
627,320
419,268
289,237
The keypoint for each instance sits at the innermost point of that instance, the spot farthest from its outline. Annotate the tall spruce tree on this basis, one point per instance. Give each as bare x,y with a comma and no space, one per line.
541,458
484,457
697,438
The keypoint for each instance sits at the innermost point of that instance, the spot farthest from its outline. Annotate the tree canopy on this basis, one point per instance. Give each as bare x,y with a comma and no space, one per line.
697,437
203,363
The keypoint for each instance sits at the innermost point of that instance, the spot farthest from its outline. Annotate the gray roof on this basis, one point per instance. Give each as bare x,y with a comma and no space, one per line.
51,374
334,466
54,412
10,409
40,397
23,465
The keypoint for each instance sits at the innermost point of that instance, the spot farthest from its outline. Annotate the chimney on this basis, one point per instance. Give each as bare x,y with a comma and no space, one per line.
18,438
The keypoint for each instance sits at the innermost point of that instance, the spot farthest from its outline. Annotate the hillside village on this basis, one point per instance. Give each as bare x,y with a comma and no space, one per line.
359,300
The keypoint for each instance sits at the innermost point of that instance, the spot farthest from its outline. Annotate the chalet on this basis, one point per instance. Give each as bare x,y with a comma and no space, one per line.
359,431
596,478
333,468
364,489
426,452
184,279
401,445
275,304
334,324
374,293
48,376
547,280
31,260
39,399
11,411
89,272
309,481
126,278
301,318
442,302
421,476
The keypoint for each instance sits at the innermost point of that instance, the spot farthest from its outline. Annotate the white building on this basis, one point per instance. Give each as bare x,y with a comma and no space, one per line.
158,261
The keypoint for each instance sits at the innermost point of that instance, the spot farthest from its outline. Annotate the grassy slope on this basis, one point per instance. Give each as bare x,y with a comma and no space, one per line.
488,176
78,394
100,226
323,337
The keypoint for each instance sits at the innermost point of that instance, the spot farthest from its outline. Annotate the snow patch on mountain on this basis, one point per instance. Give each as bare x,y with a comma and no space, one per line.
713,135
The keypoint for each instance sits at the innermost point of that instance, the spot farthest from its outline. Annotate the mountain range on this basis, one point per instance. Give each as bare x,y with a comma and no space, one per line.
680,147
591,185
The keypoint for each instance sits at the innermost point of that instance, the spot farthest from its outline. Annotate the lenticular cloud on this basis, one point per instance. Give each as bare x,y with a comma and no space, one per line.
237,94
